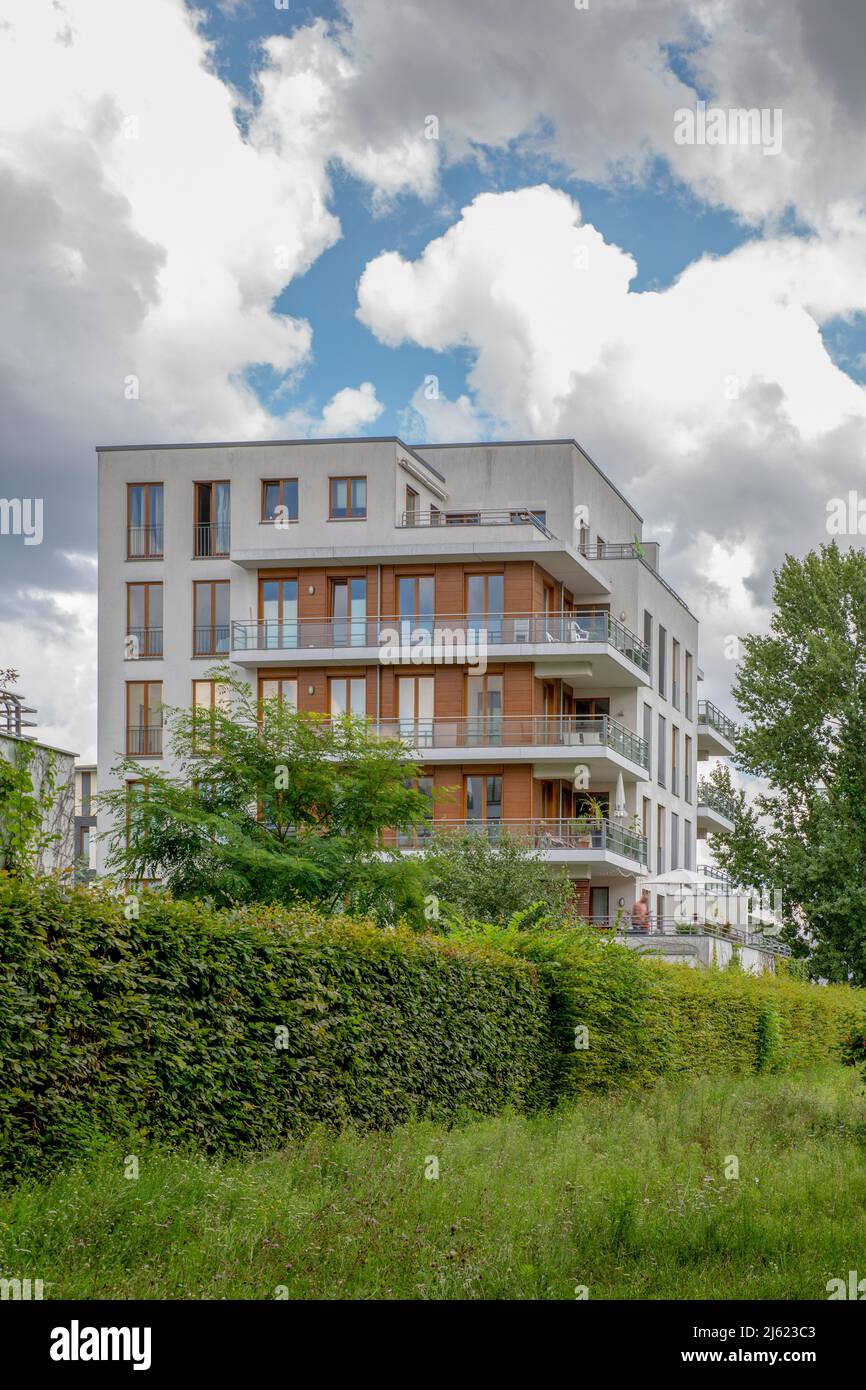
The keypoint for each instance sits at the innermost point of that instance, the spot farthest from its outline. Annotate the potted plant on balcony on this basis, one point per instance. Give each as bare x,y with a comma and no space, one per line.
584,827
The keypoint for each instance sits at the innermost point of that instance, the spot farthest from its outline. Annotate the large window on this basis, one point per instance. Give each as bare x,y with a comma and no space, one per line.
278,613
284,689
349,612
212,520
663,638
211,620
485,601
348,696
280,500
348,499
688,685
416,601
143,620
85,793
675,673
687,845
687,771
648,738
207,697
144,521
660,840
661,753
484,709
675,840
675,760
483,802
415,709
648,630
144,719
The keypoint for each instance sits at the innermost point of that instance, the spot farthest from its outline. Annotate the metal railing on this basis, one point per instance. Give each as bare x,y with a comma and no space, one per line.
574,833
144,542
143,642
627,550
711,797
211,640
740,936
211,539
447,631
515,731
144,740
710,714
477,516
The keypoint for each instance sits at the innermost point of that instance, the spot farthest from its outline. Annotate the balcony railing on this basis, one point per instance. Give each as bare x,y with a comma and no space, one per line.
576,833
211,539
143,642
708,713
710,796
515,731
627,550
144,740
144,542
211,640
475,516
447,631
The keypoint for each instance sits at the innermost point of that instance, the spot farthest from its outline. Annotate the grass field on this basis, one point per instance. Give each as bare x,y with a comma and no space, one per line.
626,1196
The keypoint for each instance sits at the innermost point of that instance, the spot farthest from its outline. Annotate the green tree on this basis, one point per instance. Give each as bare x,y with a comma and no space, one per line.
28,787
490,881
802,688
270,805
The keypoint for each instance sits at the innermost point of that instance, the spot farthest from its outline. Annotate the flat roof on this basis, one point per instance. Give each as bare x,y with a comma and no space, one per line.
266,443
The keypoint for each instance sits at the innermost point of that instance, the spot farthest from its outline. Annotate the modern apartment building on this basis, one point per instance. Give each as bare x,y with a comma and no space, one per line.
495,605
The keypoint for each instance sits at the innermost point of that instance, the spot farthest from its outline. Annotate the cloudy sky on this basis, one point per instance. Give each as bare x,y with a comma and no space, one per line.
283,220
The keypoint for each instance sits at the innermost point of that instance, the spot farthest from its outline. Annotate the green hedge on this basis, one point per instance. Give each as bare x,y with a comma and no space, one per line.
165,1027
646,1019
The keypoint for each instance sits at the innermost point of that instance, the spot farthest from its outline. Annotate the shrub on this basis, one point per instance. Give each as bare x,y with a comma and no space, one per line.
167,1026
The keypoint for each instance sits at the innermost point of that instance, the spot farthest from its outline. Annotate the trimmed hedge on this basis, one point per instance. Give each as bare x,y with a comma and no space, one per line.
230,1032
167,1027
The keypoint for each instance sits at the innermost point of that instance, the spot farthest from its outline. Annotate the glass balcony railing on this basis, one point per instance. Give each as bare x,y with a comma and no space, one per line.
444,633
710,714
711,797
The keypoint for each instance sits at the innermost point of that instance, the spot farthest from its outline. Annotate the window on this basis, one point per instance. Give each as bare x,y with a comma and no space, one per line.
349,612
348,499
419,834
144,719
599,906
280,500
348,696
687,845
85,792
646,824
485,600
660,840
212,519
647,630
144,521
211,617
688,685
675,765
82,848
415,709
278,613
648,738
660,764
284,689
662,660
484,709
207,696
416,601
483,802
143,621
675,840
411,506
687,771
675,673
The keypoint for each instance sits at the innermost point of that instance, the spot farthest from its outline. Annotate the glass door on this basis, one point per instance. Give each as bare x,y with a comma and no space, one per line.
484,709
349,612
415,709
278,612
485,600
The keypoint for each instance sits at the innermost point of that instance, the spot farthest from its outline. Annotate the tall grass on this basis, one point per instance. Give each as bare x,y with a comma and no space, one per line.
626,1196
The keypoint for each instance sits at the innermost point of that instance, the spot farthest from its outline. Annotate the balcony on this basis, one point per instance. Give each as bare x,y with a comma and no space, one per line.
570,639
144,542
143,643
608,745
477,517
144,740
646,552
715,811
212,640
573,841
717,734
211,540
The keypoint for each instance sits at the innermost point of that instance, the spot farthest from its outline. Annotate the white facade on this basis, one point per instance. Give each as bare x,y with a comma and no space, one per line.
589,550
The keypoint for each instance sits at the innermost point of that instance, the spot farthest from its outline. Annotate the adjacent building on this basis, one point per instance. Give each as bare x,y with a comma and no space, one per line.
51,776
495,605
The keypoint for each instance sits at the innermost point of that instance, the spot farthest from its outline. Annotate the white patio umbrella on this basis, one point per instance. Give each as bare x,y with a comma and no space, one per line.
619,800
